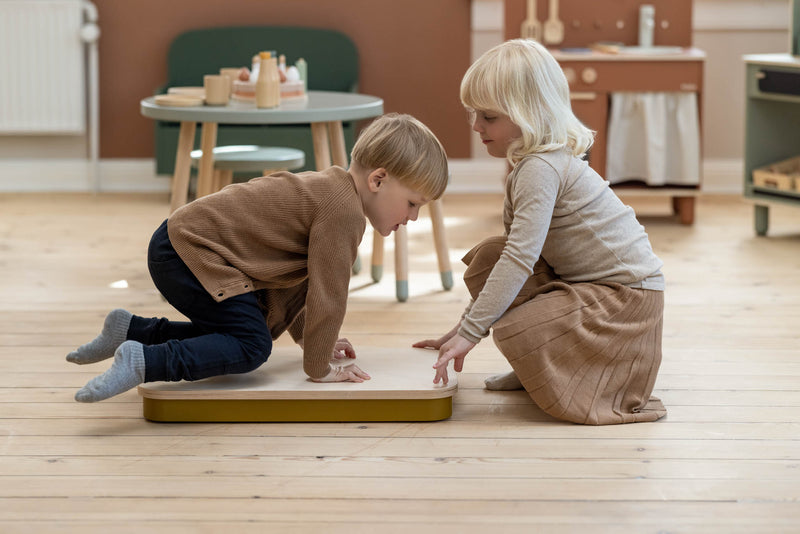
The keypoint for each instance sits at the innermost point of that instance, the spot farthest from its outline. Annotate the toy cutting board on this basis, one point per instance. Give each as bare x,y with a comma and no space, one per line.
401,389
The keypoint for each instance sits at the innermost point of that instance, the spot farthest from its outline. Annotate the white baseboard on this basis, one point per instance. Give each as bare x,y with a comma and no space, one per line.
138,175
78,175
723,176
476,175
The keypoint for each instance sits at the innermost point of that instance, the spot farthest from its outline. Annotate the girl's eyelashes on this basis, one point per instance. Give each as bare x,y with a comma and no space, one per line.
473,115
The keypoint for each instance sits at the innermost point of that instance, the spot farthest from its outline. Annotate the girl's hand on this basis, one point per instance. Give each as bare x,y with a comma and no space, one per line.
344,373
343,349
455,349
436,344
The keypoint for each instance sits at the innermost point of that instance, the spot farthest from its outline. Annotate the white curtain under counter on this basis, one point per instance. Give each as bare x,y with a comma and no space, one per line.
654,138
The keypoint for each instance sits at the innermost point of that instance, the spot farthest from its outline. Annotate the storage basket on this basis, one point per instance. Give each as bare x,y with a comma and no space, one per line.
783,175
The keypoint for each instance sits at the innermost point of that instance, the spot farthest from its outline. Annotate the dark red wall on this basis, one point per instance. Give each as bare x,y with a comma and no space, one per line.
413,54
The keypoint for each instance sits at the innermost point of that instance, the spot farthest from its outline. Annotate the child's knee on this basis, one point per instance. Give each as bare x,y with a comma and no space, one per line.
256,348
480,262
485,253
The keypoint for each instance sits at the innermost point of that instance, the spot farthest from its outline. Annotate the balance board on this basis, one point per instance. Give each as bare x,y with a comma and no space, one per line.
401,389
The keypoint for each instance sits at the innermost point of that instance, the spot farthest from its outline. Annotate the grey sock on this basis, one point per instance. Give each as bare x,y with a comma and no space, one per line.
115,331
125,373
505,382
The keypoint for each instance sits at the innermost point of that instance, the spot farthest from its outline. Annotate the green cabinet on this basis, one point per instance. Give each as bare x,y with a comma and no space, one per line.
772,127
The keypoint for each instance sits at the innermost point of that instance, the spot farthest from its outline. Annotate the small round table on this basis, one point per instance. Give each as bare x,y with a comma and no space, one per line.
323,110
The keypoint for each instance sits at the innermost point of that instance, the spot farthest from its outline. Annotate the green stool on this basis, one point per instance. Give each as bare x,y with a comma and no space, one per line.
250,158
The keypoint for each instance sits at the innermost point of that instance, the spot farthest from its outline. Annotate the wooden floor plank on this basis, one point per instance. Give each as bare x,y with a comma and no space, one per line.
398,467
587,448
467,488
471,391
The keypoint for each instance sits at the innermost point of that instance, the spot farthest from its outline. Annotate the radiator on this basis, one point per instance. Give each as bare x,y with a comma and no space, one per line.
42,67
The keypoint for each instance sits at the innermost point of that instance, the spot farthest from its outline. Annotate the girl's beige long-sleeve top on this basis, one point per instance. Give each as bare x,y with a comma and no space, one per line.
558,208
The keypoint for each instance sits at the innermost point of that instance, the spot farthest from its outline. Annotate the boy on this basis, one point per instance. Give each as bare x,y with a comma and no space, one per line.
259,258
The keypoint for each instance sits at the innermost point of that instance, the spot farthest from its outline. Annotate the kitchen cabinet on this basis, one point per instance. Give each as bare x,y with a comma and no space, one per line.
772,120
593,76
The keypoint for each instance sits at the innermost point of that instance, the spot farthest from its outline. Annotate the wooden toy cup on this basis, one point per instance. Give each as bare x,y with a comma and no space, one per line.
232,73
218,89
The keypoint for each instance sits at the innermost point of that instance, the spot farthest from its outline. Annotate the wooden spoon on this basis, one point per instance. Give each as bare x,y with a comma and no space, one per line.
553,27
531,28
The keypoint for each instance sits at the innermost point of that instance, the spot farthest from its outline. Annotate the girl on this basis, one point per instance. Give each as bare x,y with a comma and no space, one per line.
573,291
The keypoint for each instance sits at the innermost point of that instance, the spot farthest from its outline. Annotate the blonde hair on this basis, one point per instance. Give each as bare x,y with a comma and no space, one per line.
521,79
407,149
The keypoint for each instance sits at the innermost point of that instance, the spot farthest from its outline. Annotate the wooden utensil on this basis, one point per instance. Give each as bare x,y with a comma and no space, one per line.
191,91
178,100
553,27
531,28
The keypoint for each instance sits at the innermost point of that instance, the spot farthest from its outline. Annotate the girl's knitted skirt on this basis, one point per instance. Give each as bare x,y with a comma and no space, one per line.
586,352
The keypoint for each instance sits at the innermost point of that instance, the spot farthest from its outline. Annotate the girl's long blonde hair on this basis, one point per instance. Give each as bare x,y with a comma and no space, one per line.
522,80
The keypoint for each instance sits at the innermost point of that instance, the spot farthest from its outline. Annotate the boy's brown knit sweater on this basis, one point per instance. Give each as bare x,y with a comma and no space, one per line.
277,232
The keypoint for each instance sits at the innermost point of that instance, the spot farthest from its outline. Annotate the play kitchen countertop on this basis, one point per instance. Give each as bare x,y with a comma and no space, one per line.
589,70
630,53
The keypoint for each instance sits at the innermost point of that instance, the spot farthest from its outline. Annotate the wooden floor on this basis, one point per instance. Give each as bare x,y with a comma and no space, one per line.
726,458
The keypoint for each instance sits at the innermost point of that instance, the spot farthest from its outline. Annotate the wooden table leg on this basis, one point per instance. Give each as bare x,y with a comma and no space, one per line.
205,172
338,148
222,177
322,149
183,165
442,254
401,262
377,257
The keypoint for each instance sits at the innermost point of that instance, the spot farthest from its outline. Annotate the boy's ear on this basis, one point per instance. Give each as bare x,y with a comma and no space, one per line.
376,178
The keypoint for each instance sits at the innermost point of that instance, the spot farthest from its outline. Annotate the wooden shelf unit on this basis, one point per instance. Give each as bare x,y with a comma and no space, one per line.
772,121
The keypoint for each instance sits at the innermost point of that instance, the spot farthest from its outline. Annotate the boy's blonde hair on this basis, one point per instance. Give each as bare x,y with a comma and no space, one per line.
521,79
408,151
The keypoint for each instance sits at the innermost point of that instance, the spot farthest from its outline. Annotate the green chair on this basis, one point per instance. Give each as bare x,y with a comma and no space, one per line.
332,61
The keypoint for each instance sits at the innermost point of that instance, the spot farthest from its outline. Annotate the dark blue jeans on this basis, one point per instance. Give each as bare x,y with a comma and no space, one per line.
221,338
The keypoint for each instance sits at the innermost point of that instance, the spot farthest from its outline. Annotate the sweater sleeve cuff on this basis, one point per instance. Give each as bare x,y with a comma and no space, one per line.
469,337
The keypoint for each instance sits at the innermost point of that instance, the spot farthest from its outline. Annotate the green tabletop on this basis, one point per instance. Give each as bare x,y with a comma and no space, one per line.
321,106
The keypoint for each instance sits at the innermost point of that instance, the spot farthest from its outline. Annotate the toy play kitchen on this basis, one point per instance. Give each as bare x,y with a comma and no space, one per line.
636,80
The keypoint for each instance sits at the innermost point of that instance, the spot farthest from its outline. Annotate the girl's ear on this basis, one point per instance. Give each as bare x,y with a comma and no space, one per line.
376,178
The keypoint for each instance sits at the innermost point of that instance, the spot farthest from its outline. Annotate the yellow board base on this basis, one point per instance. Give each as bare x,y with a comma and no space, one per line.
297,411
401,389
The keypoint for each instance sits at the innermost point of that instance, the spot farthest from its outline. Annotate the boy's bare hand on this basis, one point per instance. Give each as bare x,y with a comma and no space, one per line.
344,373
343,349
